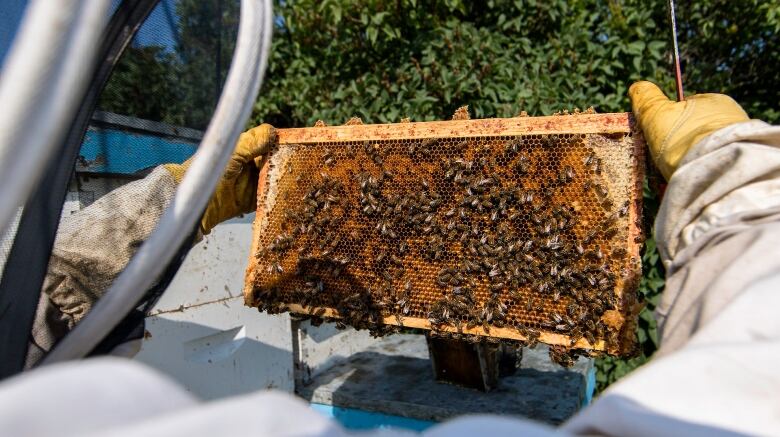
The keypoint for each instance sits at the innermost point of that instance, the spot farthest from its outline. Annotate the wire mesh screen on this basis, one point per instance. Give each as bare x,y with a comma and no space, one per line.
174,69
523,229
158,99
156,103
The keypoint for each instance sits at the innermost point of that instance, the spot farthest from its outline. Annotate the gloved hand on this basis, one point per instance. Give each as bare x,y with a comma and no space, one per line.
237,189
671,128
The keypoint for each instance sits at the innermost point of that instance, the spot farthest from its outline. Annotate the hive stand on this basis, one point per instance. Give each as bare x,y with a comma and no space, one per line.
391,381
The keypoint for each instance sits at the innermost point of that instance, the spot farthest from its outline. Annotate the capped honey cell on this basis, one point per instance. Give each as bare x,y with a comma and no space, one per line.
522,229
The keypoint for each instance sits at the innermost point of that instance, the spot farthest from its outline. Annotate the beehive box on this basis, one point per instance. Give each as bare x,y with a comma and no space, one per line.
522,229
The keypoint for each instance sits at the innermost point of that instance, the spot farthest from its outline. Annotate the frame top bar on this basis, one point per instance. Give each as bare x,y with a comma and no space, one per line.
579,123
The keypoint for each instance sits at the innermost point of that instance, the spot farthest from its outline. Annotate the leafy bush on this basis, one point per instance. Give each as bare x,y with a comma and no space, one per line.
384,60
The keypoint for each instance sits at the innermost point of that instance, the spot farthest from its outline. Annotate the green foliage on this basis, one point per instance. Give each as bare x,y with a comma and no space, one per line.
384,60
731,48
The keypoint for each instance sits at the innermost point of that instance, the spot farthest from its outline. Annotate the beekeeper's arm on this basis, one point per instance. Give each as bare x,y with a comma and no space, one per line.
94,244
718,233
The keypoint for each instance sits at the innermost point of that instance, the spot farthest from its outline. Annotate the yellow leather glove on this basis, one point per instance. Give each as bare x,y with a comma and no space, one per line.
671,128
237,189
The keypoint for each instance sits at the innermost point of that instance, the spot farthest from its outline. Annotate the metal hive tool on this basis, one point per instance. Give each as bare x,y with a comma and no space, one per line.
520,229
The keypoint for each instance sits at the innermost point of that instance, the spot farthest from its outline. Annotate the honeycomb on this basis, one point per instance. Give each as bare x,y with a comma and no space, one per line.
522,229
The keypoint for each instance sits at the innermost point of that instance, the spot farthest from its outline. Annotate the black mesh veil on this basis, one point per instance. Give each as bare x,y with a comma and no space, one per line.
174,68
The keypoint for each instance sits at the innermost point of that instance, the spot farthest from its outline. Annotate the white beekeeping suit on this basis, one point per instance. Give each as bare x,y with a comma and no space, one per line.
718,232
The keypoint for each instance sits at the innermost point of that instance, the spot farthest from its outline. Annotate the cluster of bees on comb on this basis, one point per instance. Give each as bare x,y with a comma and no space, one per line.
473,236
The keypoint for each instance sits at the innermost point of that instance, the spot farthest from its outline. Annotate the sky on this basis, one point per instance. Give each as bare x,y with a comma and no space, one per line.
156,30
12,11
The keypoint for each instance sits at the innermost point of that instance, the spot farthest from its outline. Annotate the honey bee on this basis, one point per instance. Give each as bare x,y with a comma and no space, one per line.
327,156
619,252
600,190
513,146
553,243
566,175
586,186
522,165
529,304
574,336
597,166
623,209
531,335
275,268
589,236
610,232
588,160
396,260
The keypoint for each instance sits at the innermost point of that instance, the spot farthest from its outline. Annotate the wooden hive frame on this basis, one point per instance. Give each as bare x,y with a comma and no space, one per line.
622,318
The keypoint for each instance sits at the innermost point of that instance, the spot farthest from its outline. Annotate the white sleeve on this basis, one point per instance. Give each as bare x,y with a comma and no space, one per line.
92,247
119,397
92,395
719,236
717,228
